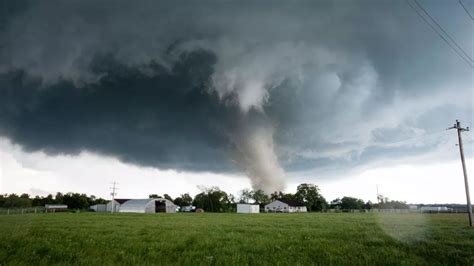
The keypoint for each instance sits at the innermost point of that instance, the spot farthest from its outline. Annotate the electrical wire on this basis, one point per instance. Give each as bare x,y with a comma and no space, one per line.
439,34
465,9
447,34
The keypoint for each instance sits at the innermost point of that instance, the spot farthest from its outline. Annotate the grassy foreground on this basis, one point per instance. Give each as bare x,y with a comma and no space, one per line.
223,239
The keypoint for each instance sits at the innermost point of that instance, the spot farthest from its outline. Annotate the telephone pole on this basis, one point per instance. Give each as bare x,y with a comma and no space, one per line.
378,201
114,188
458,127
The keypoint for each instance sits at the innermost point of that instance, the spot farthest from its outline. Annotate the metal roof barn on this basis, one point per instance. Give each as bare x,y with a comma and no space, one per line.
148,206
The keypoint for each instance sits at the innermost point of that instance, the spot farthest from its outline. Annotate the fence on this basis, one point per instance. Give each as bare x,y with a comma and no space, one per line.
397,210
7,211
22,210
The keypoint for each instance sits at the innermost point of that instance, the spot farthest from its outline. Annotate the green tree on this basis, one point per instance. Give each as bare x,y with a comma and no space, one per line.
3,198
48,200
278,195
37,201
310,195
245,195
183,200
260,198
154,196
76,200
335,204
58,199
392,204
368,205
213,200
350,203
168,197
15,201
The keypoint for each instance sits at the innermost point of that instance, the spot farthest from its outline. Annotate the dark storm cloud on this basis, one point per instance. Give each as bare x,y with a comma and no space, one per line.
163,118
212,85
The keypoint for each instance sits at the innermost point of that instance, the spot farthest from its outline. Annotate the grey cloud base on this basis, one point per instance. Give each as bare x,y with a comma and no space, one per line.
165,119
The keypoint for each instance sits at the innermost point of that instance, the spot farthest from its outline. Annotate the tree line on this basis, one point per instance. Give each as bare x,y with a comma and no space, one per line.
72,200
212,199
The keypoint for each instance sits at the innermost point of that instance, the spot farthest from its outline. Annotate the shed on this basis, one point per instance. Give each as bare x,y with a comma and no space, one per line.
248,208
285,206
148,206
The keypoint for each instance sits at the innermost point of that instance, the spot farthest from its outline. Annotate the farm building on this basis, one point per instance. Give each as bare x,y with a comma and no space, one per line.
248,208
117,204
148,206
285,206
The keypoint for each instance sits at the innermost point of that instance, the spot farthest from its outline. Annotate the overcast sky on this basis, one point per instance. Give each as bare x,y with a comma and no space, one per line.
165,97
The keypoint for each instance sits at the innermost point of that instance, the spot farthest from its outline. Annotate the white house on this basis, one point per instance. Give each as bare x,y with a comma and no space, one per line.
148,206
248,208
285,206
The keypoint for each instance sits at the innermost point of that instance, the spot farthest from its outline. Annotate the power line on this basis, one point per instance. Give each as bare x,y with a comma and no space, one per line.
447,34
439,34
465,9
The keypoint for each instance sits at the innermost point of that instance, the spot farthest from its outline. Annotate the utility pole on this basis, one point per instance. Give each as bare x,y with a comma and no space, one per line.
378,201
114,188
458,127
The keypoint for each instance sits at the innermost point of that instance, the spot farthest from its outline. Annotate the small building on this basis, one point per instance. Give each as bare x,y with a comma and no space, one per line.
55,207
148,206
285,206
248,208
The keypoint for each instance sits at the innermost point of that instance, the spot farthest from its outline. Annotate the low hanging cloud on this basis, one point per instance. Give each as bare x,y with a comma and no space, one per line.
223,86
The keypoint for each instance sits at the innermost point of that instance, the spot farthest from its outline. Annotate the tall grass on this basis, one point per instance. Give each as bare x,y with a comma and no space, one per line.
230,239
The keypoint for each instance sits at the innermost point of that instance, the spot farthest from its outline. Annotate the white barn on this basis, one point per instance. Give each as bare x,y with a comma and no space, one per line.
148,206
285,206
248,208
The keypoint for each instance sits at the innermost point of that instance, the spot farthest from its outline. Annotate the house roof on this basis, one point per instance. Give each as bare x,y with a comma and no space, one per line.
294,203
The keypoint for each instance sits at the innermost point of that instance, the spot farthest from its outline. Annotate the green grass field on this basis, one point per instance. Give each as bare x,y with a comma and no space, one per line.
229,239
